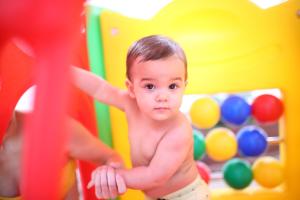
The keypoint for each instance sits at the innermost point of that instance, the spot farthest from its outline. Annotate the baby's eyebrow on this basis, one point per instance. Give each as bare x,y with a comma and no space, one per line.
176,79
147,79
152,79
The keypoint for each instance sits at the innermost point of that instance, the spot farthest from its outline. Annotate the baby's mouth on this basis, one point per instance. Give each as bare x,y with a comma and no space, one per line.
161,108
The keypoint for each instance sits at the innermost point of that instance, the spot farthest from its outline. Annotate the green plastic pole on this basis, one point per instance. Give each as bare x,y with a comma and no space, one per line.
96,61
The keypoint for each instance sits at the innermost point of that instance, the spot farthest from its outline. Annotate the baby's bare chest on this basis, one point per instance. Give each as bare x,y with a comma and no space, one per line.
143,145
143,138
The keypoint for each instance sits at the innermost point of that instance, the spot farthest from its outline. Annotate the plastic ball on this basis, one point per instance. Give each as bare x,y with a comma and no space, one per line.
199,145
235,110
268,172
204,171
220,144
237,173
205,113
252,141
267,108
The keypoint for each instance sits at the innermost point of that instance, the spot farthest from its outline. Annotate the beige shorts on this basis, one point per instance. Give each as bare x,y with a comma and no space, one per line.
197,190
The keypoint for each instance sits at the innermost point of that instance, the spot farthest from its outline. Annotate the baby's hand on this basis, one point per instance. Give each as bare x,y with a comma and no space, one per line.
115,162
108,183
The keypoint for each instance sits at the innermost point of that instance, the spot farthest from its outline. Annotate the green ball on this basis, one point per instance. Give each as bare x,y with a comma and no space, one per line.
237,173
199,145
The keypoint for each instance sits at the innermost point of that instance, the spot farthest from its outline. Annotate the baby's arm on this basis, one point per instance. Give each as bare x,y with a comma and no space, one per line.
98,88
170,154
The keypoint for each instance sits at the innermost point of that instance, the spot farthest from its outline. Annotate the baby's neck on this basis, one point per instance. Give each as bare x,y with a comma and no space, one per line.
160,124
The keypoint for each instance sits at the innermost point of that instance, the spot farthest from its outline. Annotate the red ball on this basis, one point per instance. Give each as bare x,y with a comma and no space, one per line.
267,108
204,171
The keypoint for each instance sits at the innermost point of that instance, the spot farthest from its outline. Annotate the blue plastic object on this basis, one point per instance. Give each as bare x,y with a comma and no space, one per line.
235,110
252,141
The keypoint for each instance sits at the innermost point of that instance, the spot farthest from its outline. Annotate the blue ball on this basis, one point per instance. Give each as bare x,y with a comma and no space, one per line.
235,110
252,141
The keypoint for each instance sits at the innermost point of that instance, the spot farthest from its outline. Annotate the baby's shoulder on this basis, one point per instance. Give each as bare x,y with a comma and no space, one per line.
130,104
180,134
181,125
183,122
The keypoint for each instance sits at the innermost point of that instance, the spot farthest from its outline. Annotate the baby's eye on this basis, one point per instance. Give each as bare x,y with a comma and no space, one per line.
173,86
149,86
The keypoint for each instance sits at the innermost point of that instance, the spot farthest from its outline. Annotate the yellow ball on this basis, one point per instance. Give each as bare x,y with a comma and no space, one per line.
205,113
268,172
221,144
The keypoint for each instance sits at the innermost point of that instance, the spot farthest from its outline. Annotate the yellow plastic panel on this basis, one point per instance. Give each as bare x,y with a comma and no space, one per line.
231,46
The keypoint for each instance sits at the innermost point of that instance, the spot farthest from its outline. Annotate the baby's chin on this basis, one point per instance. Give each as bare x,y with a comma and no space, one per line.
161,116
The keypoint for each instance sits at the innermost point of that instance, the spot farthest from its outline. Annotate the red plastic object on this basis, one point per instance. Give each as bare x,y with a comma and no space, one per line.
15,79
204,171
51,28
267,108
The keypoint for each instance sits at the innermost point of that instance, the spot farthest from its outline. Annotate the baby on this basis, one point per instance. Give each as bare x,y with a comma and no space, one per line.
160,136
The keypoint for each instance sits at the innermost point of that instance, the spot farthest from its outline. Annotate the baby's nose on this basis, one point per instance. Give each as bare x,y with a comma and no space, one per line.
162,97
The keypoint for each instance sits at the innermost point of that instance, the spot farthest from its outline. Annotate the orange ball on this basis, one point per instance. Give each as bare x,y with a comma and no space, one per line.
268,172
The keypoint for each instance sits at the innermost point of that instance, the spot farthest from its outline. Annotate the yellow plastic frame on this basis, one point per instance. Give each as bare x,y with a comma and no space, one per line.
231,46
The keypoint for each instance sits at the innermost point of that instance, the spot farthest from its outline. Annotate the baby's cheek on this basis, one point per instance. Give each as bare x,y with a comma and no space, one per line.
177,101
146,104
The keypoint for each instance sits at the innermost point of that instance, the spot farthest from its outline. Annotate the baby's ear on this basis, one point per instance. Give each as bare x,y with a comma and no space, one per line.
129,86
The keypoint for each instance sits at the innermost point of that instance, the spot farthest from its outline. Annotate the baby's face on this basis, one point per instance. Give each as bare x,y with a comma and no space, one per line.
158,86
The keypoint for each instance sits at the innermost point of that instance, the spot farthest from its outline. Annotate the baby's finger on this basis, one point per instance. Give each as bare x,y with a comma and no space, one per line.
112,186
104,183
92,181
90,184
120,184
98,189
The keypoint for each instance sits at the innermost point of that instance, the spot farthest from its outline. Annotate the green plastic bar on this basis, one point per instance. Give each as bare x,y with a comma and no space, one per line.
96,61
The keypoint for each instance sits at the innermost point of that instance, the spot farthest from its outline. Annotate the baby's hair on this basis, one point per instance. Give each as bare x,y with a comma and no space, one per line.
154,47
